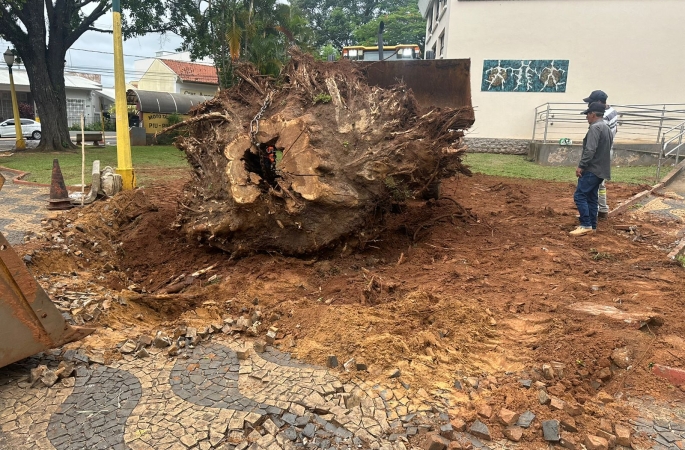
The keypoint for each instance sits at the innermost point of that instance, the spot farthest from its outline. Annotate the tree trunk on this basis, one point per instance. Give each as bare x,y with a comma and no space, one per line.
51,101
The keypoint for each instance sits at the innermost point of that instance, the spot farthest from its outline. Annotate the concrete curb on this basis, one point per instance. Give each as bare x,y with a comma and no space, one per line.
21,174
678,250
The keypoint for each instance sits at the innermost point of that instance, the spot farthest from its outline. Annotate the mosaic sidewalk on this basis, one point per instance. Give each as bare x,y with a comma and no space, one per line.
21,209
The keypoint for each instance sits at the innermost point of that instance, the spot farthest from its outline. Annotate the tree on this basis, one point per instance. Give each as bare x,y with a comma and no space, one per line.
258,31
404,26
43,30
334,21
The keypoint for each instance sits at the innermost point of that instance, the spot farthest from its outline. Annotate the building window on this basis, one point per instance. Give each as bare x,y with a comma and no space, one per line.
437,11
430,21
75,107
442,44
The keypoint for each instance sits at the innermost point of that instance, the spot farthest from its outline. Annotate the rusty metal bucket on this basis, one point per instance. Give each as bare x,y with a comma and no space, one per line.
29,321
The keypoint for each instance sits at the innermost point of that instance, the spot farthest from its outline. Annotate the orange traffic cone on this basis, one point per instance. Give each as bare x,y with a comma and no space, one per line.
59,196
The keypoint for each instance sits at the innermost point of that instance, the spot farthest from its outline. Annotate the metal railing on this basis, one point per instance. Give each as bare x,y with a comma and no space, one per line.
673,138
637,123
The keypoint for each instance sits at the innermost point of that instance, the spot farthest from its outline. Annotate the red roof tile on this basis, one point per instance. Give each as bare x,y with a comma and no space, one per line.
196,73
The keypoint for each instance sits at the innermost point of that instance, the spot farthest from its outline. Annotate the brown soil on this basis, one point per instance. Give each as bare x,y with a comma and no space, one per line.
483,289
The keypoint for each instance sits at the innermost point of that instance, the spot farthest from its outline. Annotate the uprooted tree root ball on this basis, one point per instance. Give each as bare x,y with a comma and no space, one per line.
324,160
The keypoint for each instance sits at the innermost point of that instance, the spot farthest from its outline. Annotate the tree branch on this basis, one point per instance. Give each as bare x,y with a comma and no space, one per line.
100,30
87,23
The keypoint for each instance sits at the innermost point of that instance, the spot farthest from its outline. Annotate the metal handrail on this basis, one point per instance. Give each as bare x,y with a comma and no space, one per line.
636,122
663,153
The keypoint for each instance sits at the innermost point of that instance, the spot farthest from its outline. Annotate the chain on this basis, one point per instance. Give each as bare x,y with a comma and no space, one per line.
254,125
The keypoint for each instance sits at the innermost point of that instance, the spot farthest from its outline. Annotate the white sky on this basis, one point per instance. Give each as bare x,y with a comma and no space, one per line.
99,58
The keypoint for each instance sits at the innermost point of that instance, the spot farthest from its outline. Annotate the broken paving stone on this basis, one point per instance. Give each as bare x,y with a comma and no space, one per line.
569,441
622,435
547,371
243,353
610,438
435,442
569,424
128,347
142,353
173,350
66,369
97,358
604,374
37,372
145,340
479,429
161,340
513,433
458,424
259,346
508,417
556,404
573,409
447,431
331,361
361,367
550,430
596,443
605,425
49,378
309,430
604,397
394,373
526,419
543,398
526,383
69,382
622,357
473,382
271,335
485,411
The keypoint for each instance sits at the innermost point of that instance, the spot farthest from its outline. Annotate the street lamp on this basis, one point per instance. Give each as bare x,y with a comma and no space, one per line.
9,60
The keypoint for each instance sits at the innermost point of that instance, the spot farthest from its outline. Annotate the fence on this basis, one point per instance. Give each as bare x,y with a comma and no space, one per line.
636,123
660,124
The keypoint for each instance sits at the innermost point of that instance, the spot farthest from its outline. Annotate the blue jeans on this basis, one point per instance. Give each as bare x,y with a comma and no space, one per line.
586,198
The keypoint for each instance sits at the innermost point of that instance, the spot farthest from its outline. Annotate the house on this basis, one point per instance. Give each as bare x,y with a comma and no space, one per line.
180,77
82,95
527,53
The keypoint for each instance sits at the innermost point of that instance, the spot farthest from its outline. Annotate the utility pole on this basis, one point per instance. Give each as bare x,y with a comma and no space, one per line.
124,163
20,144
381,28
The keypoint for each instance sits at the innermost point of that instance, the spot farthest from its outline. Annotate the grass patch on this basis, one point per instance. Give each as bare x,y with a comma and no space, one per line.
145,159
516,166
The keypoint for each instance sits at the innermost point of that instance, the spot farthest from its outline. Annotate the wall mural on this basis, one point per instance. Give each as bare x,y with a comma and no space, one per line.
524,75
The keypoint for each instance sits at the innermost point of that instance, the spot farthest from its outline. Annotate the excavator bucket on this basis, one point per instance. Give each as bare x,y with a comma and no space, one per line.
29,321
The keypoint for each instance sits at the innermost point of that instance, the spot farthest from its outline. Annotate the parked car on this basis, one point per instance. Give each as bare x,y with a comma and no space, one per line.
29,128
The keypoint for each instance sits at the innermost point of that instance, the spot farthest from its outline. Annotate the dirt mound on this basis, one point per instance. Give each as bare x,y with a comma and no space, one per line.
482,295
312,160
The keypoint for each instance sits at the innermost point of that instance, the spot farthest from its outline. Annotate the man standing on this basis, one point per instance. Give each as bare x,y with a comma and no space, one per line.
611,118
593,168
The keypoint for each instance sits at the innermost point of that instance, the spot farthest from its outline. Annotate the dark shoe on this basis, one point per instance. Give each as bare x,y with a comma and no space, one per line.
602,215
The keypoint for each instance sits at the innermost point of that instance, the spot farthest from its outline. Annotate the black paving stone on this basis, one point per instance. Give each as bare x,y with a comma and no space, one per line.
107,393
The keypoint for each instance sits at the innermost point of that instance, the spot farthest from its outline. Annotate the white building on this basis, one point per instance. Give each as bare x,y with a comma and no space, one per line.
83,96
525,53
174,73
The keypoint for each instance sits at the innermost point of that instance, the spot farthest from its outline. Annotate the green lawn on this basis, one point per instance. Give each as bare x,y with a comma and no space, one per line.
516,166
144,159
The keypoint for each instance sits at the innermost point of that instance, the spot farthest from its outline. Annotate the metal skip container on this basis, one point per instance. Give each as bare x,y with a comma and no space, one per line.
29,321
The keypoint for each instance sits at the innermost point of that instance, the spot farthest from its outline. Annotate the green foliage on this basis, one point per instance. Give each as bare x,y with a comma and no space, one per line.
39,164
174,118
403,26
398,190
110,125
322,98
327,50
681,260
334,21
259,31
598,256
517,166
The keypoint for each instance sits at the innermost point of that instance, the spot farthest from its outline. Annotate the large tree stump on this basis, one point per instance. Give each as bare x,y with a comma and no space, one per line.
332,154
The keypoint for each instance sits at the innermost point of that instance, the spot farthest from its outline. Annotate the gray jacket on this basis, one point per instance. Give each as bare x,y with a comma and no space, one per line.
596,157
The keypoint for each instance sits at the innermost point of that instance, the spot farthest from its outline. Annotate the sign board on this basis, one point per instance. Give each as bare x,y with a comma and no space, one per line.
154,122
